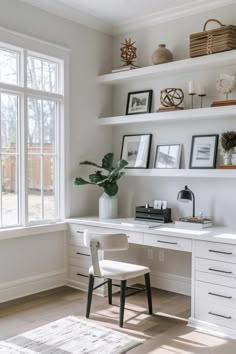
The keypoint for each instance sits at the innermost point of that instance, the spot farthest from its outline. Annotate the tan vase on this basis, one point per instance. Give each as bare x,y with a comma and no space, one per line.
161,55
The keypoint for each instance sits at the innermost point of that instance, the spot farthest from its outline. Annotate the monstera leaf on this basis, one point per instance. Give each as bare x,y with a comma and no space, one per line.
111,189
107,162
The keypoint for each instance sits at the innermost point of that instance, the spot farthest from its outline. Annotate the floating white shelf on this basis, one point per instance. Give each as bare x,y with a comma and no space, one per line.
175,67
186,173
188,114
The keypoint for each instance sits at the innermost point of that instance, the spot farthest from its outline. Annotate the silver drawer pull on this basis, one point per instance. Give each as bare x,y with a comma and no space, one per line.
216,314
82,275
221,252
83,254
80,232
170,243
224,296
219,271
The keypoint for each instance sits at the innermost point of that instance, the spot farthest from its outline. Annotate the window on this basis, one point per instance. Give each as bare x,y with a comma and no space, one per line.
31,103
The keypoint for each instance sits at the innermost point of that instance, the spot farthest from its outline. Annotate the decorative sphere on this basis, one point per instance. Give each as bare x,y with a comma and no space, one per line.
171,97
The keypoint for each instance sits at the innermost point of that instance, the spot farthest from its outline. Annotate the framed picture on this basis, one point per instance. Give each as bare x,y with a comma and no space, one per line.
136,150
168,156
139,102
204,151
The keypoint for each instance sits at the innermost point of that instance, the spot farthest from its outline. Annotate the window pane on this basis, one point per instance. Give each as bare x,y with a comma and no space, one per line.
9,66
34,125
9,191
49,119
42,74
9,160
34,188
49,76
49,196
9,112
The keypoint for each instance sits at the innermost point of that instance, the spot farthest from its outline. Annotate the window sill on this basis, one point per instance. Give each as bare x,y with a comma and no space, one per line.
16,232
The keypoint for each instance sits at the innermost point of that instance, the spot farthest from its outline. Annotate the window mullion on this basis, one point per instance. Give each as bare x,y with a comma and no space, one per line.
23,147
41,162
0,162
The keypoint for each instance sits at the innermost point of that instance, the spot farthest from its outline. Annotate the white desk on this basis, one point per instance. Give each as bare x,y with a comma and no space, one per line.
213,279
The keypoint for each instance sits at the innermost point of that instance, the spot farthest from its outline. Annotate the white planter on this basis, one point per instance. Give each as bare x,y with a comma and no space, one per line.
108,207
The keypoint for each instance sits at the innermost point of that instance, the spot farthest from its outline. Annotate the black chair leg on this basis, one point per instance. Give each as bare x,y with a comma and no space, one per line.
149,292
90,294
110,291
122,301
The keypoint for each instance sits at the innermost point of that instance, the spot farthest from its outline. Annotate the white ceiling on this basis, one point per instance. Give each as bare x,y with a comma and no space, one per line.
117,16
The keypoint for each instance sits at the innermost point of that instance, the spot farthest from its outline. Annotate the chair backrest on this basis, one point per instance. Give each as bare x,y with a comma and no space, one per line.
104,242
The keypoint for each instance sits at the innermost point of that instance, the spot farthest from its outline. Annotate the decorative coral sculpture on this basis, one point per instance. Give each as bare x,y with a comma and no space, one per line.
128,52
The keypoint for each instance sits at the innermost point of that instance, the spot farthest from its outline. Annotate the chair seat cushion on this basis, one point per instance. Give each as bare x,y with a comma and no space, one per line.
120,270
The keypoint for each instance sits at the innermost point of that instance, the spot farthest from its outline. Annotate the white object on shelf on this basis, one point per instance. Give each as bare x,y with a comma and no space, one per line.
188,114
108,207
191,89
181,66
201,90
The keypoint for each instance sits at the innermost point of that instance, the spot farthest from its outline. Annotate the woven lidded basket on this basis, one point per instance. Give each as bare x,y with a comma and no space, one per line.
212,41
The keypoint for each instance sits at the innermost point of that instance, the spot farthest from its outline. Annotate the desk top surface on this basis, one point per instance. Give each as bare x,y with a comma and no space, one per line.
213,234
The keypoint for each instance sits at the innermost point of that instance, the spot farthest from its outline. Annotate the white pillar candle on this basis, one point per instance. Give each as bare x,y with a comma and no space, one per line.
201,90
191,87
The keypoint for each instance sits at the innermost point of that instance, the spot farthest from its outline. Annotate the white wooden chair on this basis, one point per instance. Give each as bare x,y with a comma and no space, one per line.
113,270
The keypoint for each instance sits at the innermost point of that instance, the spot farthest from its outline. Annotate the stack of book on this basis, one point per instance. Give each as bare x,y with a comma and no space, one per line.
194,222
125,68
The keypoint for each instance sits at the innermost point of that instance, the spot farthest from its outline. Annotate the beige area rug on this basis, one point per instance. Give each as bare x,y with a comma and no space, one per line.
69,335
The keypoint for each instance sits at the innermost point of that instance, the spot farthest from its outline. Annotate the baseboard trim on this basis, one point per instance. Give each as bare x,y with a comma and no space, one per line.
171,282
211,328
32,285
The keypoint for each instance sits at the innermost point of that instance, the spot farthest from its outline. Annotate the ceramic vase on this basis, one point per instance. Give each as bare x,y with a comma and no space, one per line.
161,55
108,207
228,156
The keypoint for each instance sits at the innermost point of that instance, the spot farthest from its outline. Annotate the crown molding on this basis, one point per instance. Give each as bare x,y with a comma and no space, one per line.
192,8
69,13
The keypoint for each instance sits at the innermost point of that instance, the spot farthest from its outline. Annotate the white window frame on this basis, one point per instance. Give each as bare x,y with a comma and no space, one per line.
38,48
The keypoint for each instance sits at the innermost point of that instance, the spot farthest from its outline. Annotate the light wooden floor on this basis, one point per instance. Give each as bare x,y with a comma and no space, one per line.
164,333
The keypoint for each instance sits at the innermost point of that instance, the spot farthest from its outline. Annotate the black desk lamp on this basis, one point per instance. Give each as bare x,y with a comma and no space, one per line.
187,195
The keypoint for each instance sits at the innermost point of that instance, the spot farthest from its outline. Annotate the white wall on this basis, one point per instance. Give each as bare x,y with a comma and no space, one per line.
35,256
214,197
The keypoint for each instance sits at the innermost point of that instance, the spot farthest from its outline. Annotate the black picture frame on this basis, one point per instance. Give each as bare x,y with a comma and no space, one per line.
166,164
209,150
133,142
137,98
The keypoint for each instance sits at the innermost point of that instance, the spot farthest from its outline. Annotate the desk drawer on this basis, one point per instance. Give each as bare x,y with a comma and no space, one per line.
216,314
216,279
173,243
76,234
79,274
135,237
216,251
215,267
80,256
217,294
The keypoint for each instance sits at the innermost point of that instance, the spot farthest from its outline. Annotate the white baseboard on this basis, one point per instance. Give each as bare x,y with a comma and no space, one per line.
171,282
31,285
210,328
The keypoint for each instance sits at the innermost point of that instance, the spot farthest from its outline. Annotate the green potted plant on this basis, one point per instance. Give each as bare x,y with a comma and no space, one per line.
108,205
